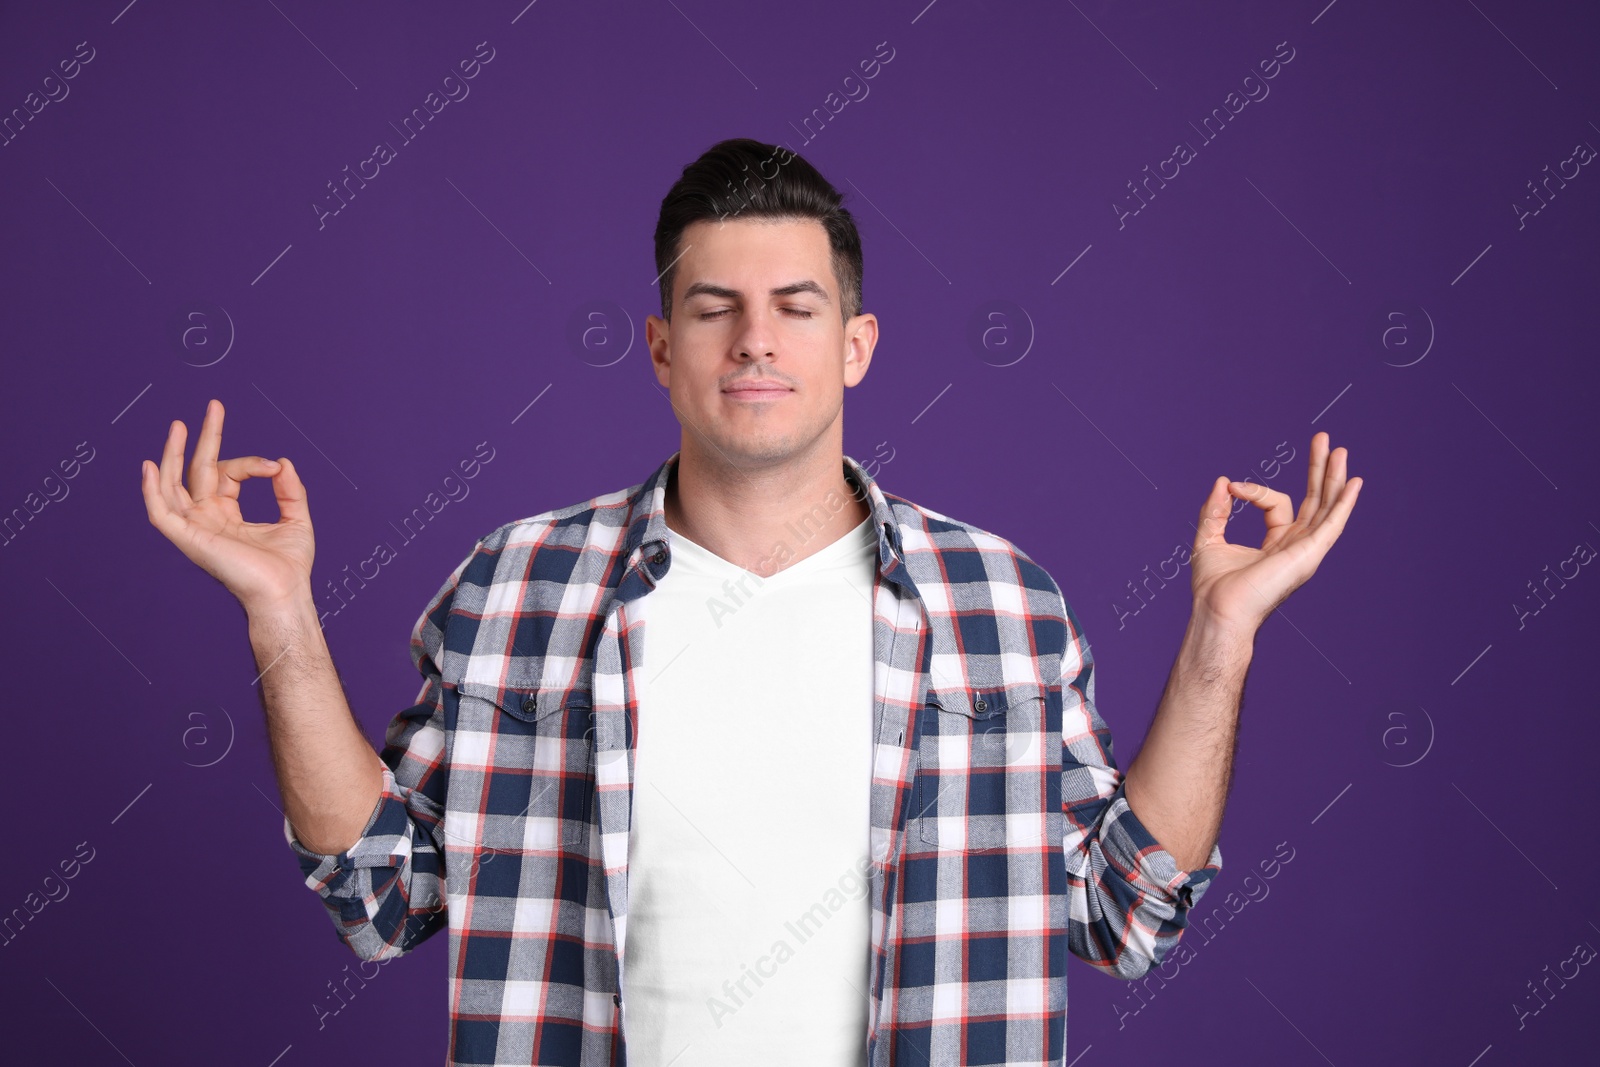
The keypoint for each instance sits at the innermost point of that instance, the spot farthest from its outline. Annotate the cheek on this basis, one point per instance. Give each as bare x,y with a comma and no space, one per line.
690,378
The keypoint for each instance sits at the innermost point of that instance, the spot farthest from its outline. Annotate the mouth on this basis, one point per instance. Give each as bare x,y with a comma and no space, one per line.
756,391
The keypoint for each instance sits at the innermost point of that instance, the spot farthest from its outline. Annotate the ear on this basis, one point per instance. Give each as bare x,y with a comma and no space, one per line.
657,332
860,338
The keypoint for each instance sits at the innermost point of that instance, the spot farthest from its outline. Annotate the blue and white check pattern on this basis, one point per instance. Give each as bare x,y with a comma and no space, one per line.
1001,835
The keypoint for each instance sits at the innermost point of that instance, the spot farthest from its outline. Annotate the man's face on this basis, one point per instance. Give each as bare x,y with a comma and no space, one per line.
755,303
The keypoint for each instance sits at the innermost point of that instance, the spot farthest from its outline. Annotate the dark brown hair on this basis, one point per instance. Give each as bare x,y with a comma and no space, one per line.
744,178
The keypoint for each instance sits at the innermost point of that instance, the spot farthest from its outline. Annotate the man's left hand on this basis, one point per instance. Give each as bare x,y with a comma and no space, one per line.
1238,586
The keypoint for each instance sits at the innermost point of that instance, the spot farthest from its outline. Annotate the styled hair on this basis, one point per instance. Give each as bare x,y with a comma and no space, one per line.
744,178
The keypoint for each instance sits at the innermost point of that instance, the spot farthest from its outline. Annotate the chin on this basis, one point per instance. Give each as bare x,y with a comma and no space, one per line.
754,451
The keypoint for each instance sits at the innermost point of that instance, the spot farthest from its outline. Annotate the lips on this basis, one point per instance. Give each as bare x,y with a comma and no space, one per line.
756,388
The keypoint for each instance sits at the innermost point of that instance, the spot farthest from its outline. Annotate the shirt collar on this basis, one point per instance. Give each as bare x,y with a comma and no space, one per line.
648,546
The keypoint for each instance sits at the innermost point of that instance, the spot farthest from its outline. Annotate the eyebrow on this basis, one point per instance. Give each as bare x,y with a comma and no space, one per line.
708,289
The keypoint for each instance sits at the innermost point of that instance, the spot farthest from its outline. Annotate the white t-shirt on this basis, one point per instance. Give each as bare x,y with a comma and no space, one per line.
749,929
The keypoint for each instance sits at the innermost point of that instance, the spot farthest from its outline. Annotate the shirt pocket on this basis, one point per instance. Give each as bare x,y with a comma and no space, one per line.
526,751
983,775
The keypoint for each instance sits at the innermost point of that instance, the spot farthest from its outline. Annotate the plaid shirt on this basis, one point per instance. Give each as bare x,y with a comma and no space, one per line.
1001,836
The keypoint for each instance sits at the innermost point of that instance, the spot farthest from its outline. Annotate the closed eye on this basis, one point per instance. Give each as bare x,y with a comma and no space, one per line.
709,315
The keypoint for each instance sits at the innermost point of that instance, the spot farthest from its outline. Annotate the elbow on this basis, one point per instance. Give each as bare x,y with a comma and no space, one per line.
383,936
370,944
1131,966
1133,963
371,948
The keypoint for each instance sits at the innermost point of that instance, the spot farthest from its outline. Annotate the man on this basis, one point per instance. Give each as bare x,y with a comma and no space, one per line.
751,759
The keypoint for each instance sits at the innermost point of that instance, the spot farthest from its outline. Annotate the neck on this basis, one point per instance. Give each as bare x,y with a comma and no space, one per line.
763,518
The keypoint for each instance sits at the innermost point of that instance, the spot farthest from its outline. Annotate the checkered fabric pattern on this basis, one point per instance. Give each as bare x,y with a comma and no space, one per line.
1001,835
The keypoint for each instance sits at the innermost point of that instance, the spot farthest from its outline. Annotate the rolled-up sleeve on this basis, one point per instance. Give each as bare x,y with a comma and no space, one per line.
1129,900
386,892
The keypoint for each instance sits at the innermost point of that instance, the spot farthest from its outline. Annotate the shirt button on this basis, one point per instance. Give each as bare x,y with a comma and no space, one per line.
982,705
659,557
529,705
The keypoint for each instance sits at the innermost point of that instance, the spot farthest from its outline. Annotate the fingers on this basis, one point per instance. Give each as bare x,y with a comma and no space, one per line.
1276,507
203,467
291,492
171,479
1314,474
231,473
1329,529
162,517
1332,484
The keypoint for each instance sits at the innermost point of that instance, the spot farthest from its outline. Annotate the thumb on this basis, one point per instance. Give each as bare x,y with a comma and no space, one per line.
1213,515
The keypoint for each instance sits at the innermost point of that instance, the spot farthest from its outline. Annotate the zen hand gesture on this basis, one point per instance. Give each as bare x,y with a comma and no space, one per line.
258,562
1241,586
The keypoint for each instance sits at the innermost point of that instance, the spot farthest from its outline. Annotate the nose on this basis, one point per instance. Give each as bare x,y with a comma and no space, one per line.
755,341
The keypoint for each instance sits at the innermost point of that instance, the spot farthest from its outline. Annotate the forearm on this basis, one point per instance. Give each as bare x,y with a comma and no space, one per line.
329,775
1178,783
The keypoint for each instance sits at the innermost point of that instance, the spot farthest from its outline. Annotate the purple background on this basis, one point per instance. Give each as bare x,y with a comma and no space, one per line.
1344,256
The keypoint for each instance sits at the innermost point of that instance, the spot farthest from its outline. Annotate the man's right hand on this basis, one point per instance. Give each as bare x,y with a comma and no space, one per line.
261,563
